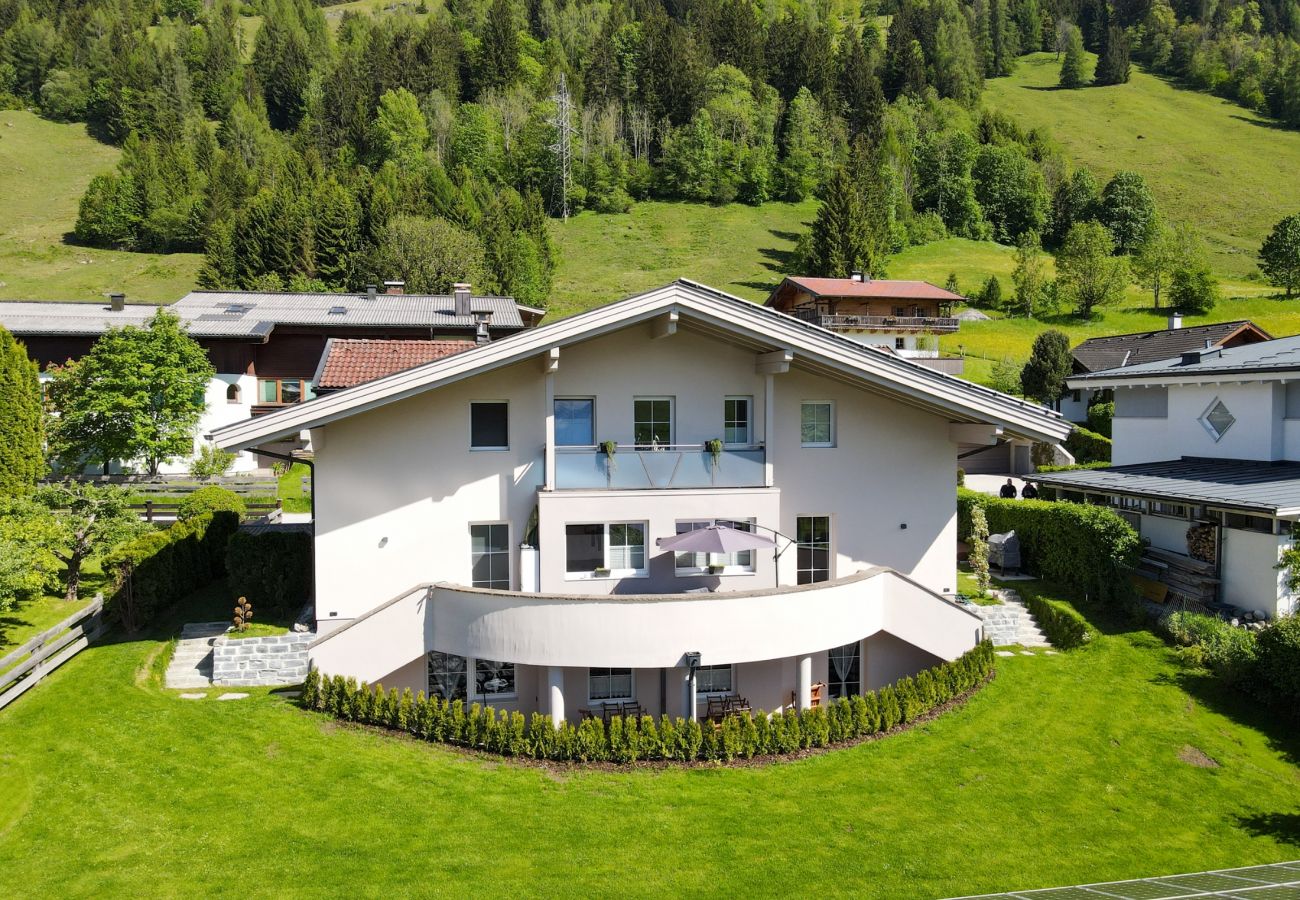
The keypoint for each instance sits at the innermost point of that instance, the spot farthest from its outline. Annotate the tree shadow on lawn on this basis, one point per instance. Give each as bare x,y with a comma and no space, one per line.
1278,728
776,259
1282,827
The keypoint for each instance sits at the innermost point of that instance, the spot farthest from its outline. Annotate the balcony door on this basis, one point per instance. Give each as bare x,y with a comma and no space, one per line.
813,548
652,422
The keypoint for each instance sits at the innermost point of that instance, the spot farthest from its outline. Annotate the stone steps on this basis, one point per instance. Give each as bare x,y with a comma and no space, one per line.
1010,622
191,664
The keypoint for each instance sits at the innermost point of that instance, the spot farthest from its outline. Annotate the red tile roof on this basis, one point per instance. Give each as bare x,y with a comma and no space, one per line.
352,361
878,288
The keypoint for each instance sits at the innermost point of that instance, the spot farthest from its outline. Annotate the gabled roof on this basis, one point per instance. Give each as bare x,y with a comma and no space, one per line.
1119,350
874,288
1264,361
34,318
348,362
1249,485
696,307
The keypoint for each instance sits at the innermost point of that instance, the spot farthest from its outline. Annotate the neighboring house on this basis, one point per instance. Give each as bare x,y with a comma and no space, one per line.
1119,350
348,362
1207,466
266,347
905,316
474,539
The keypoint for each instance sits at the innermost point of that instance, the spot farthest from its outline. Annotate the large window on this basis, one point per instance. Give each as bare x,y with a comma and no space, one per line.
489,427
618,548
575,422
698,563
490,556
817,423
714,680
283,391
609,684
494,680
737,423
652,421
446,676
813,536
845,676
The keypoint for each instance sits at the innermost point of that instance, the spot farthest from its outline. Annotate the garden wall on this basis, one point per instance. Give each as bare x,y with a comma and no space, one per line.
261,662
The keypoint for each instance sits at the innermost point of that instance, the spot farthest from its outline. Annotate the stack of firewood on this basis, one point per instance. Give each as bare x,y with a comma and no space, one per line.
1200,542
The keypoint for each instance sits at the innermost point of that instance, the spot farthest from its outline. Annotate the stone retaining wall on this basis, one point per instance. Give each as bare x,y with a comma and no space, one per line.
264,661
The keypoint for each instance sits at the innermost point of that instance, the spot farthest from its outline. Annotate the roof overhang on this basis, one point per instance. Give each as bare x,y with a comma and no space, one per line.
1140,485
1113,378
704,309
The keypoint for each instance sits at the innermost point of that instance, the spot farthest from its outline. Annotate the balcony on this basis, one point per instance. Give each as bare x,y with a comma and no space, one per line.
932,324
634,468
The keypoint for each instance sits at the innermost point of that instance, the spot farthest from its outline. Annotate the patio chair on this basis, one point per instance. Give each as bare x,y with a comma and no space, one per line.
737,705
632,710
717,709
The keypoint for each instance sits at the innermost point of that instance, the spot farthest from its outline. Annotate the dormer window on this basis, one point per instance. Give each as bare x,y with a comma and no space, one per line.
1217,419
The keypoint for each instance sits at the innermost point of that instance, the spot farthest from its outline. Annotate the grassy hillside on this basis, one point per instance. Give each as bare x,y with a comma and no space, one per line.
44,169
1210,162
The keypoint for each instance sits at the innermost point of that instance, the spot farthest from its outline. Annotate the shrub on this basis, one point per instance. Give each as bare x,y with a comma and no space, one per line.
156,569
208,500
1088,446
961,477
629,740
1226,650
1064,627
1278,650
1089,547
211,462
273,569
1100,417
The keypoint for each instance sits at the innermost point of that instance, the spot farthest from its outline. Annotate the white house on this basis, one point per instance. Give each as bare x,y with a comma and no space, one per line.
1207,465
474,539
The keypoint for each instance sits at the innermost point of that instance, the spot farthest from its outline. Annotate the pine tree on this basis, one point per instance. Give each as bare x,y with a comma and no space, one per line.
498,63
1073,66
1113,63
22,419
841,241
337,239
218,271
861,98
1050,363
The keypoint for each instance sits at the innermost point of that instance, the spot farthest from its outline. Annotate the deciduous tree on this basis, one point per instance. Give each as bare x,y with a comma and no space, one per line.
1088,274
1030,274
430,255
1128,210
84,519
1279,257
1050,363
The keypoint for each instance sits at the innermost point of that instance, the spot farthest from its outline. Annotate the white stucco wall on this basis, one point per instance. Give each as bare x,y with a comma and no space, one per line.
1250,580
1166,533
1258,432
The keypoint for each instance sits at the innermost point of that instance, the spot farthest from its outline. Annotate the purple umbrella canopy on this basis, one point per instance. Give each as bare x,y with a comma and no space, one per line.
715,539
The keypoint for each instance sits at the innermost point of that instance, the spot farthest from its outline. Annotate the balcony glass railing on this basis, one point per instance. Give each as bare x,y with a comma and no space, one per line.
673,466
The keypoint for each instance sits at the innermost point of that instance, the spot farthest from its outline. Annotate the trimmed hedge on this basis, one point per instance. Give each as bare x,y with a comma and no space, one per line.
1088,547
1064,627
272,569
622,740
1088,446
1073,467
212,498
155,570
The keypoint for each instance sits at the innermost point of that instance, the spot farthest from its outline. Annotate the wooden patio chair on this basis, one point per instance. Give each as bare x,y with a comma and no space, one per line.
632,710
717,709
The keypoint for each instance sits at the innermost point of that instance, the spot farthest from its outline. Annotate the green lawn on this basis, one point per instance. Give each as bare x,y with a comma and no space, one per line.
44,169
1210,162
296,500
1064,769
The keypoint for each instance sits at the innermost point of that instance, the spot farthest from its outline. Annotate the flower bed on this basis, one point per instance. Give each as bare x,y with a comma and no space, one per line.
741,736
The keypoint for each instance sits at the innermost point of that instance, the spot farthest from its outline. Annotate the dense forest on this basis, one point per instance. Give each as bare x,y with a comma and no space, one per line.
434,145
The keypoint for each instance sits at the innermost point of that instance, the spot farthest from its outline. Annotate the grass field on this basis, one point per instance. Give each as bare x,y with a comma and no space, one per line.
1210,162
1068,768
44,169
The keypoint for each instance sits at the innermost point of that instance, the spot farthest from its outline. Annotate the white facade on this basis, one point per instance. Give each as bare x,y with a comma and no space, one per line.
907,344
400,492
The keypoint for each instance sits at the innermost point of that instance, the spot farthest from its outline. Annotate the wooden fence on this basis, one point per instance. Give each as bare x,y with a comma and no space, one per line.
155,511
48,650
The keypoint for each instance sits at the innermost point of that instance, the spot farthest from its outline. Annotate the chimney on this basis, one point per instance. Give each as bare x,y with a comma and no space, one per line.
460,291
394,287
1175,321
117,302
856,275
370,291
1208,343
481,335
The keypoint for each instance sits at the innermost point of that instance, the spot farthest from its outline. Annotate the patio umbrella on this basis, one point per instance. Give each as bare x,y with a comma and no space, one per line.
715,539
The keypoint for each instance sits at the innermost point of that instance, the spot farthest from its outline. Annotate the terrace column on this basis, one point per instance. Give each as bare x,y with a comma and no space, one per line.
769,429
803,683
549,451
690,702
555,687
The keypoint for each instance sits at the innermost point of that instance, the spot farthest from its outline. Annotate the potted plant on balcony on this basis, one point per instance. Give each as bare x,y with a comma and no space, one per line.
609,448
714,449
600,572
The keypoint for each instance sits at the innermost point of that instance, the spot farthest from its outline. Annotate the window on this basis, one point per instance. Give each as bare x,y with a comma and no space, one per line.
713,680
900,343
845,676
493,679
609,684
1293,399
1176,510
1217,420
446,676
813,539
1248,523
698,563
232,393
617,547
488,426
652,421
490,556
736,421
283,390
1142,403
575,422
900,310
817,423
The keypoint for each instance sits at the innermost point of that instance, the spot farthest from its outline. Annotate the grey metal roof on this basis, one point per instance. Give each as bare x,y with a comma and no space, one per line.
251,315
1117,350
1268,487
1277,355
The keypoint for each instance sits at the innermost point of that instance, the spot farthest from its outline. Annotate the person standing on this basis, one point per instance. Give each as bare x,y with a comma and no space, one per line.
1008,491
